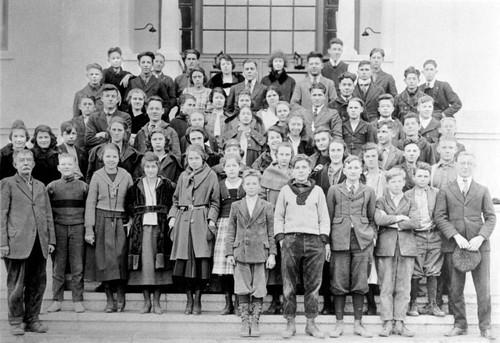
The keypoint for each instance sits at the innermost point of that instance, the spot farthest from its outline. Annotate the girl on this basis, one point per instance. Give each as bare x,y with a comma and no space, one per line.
244,99
227,77
268,114
302,144
321,158
18,137
230,191
136,99
278,76
214,118
105,219
282,111
169,165
198,119
357,132
46,155
196,135
199,91
192,225
150,199
274,138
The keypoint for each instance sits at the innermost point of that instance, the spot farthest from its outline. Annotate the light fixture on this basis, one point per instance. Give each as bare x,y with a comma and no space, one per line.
151,29
299,61
366,34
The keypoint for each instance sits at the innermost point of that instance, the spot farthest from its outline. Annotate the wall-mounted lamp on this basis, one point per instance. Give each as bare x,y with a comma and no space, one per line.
151,29
366,34
299,61
217,60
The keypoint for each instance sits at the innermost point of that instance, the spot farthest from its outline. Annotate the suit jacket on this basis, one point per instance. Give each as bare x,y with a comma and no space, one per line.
171,102
143,136
432,193
333,73
24,214
446,101
370,99
79,122
302,96
386,82
394,158
431,132
455,214
98,123
153,87
364,133
258,96
388,237
250,237
82,158
358,211
327,118
87,90
404,103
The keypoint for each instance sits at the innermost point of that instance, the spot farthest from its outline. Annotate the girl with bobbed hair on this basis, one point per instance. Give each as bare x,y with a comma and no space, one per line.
227,76
201,93
271,100
18,137
169,164
278,77
46,155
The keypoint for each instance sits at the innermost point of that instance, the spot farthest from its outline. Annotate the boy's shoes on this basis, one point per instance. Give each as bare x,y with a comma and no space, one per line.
245,320
17,330
79,308
456,331
386,329
56,306
313,330
487,334
413,311
360,330
290,328
400,329
37,327
338,329
371,311
433,309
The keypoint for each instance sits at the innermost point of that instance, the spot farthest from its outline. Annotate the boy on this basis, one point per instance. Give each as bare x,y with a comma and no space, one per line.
407,100
367,91
86,107
27,237
93,88
466,218
346,88
69,135
448,125
257,90
351,206
429,127
158,64
446,101
191,60
231,148
385,111
335,67
67,197
411,127
445,171
187,104
396,248
389,154
302,226
319,115
380,77
429,259
411,154
356,132
243,99
154,109
251,248
301,94
115,74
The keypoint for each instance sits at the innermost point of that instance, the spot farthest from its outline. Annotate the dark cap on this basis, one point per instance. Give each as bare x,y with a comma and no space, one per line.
465,260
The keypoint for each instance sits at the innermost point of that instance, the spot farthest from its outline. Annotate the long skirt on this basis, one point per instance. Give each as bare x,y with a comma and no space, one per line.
221,267
193,268
148,275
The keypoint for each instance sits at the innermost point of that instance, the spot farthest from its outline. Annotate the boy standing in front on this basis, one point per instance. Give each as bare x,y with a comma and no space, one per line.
251,248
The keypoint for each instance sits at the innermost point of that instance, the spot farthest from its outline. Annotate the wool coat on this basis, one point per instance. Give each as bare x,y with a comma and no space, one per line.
404,103
431,132
346,211
354,140
333,72
88,91
302,94
170,168
446,101
140,142
256,143
153,87
370,99
326,118
388,237
250,237
471,216
386,82
431,193
46,162
130,160
284,82
24,215
394,158
195,202
272,181
171,102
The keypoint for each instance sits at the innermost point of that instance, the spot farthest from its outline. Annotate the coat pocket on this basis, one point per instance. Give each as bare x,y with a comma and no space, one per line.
338,220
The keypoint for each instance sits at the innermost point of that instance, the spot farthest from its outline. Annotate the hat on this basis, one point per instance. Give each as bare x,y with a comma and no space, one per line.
465,260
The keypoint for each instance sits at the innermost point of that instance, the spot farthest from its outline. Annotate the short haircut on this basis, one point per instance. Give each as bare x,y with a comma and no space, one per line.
445,119
351,158
19,125
340,141
386,96
23,152
424,99
111,146
423,166
390,124
245,107
336,41
448,137
162,131
193,129
276,89
69,156
465,154
347,75
394,172
411,115
323,130
286,144
407,142
277,54
217,90
250,60
190,52
250,173
114,49
146,53
67,127
358,100
184,97
93,66
110,88
85,96
244,92
195,112
228,158
319,86
411,70
431,62
119,120
47,129
198,150
379,50
284,103
299,158
199,70
225,57
277,129
134,91
314,54
154,98
364,63
369,146
159,54
149,156
293,115
234,143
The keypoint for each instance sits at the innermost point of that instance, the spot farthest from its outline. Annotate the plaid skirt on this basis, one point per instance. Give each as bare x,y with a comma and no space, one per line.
221,267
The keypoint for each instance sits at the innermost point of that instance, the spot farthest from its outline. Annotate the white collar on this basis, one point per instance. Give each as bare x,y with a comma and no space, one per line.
318,107
461,182
332,62
431,84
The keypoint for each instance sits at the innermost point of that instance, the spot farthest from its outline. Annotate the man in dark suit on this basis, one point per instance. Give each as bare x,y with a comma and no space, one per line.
335,67
93,88
86,107
346,83
459,213
407,100
257,89
390,155
27,236
380,77
367,91
191,60
96,128
158,64
446,101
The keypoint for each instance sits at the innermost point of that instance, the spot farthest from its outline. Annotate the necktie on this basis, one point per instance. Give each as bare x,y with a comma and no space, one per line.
249,86
427,85
315,111
465,189
385,155
364,88
351,191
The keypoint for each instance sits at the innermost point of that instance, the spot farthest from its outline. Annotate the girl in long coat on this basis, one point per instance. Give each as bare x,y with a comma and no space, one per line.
192,221
105,217
150,199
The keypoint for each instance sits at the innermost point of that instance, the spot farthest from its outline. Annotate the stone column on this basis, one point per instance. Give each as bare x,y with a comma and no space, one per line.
345,28
170,37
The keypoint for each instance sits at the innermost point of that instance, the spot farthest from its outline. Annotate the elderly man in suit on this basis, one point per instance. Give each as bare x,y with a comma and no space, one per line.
446,101
466,218
27,236
257,89
301,94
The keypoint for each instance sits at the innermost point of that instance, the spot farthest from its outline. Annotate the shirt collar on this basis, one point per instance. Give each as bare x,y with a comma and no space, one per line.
319,108
395,197
307,183
349,185
364,82
460,181
431,84
442,163
146,78
95,88
334,64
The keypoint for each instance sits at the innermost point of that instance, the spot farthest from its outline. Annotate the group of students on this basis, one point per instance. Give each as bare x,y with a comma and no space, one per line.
335,183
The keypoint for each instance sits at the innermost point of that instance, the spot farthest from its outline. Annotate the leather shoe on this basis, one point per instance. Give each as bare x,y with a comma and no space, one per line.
56,306
487,334
37,327
456,331
338,329
17,330
290,328
402,330
313,330
386,329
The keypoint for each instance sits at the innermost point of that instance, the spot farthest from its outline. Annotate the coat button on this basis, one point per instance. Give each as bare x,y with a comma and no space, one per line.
192,220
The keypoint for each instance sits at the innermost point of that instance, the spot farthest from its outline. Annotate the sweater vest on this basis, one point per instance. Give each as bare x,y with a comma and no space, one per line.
68,201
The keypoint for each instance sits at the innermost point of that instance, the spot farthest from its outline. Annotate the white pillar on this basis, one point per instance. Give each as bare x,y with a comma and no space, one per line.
345,28
170,37
126,29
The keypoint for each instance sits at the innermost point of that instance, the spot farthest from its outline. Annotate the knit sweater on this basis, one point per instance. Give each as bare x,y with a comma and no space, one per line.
67,199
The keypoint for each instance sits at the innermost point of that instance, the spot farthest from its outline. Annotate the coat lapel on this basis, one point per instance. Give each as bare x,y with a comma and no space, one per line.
471,194
243,207
23,186
101,119
456,191
259,207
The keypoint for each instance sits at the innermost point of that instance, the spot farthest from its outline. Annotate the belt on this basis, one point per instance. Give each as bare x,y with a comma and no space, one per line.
192,207
428,230
300,234
148,209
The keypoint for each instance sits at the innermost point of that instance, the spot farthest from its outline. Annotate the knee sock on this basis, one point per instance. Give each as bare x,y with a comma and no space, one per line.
257,300
414,289
339,304
227,283
431,288
244,298
357,303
